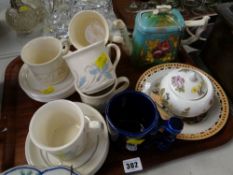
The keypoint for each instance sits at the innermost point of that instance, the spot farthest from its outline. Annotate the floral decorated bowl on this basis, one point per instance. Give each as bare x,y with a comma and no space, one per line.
186,93
32,170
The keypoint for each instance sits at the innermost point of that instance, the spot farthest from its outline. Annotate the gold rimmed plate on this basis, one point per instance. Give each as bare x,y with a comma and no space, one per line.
215,118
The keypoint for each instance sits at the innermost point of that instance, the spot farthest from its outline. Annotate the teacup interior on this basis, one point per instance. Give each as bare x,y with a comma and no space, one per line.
86,28
57,127
41,51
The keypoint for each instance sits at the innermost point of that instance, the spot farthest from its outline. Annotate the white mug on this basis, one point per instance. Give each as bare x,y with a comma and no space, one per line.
92,67
99,100
44,58
87,27
60,128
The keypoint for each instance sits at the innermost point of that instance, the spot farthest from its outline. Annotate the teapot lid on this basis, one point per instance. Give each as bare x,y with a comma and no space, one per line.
188,84
160,18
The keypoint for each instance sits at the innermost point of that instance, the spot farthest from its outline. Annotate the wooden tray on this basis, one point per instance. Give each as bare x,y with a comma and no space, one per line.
17,109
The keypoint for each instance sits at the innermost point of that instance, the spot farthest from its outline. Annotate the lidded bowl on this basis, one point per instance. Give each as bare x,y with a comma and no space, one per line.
186,93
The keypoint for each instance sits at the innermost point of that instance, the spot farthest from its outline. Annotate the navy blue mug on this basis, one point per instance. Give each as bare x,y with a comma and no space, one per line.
131,116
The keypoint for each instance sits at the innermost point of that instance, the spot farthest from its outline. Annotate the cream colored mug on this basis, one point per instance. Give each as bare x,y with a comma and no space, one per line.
44,58
60,128
100,99
87,27
93,67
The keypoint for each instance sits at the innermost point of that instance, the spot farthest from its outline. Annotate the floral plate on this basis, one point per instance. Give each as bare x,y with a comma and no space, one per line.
32,170
215,118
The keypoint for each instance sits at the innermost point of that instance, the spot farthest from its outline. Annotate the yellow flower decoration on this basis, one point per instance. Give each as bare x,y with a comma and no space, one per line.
101,60
135,141
197,88
23,8
48,90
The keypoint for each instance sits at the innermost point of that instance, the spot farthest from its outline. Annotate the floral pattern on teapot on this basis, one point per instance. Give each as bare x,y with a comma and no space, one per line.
159,50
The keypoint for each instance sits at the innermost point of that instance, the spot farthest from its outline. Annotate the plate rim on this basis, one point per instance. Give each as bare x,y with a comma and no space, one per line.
224,113
39,170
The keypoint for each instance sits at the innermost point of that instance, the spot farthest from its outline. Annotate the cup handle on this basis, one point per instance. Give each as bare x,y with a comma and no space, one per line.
93,125
65,46
124,81
118,54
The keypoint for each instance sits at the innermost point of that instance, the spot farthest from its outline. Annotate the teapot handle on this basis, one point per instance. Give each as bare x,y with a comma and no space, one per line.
196,36
197,23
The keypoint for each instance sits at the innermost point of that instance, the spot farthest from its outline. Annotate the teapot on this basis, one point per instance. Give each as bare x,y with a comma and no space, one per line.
186,93
156,36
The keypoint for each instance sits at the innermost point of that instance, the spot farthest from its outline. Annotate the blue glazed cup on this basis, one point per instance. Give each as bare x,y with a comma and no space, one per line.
131,116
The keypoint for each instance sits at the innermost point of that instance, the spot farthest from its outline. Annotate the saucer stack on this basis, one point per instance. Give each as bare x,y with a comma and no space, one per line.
43,93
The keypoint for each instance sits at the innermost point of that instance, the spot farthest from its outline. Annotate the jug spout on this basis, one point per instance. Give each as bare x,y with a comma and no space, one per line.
124,39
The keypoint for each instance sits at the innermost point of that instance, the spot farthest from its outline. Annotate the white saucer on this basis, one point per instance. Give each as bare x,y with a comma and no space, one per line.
215,118
42,93
91,159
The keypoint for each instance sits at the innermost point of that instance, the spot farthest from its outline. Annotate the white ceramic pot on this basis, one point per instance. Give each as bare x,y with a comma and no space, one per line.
186,92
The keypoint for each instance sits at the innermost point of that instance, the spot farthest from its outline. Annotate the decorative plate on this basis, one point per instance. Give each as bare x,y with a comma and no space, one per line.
215,118
32,170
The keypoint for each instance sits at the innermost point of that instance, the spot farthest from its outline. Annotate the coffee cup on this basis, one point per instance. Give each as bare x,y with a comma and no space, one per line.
92,66
44,58
87,27
99,100
131,117
60,128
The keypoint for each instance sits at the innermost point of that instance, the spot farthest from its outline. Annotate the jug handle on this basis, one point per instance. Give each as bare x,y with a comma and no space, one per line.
118,54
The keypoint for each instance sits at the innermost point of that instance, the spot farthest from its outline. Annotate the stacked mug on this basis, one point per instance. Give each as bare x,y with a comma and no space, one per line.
92,65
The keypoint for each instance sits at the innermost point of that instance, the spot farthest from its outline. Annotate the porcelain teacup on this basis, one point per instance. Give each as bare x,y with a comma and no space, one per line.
87,27
60,128
100,99
44,58
92,67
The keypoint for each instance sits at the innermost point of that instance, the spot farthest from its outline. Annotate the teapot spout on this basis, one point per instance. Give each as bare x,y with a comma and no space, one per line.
124,39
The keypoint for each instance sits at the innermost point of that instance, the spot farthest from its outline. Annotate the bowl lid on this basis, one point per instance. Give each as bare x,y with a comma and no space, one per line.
188,84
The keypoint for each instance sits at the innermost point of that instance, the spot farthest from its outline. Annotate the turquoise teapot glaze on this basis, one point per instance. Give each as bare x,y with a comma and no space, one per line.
157,35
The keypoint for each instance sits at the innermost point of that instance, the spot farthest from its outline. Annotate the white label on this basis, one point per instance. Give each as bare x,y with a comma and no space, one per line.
132,165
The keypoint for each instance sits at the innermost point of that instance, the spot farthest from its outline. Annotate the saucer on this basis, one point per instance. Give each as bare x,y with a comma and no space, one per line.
215,118
28,169
43,93
88,162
